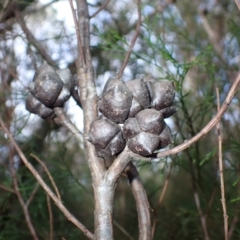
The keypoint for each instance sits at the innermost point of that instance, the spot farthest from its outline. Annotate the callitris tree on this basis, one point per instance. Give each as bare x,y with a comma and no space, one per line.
126,124
132,120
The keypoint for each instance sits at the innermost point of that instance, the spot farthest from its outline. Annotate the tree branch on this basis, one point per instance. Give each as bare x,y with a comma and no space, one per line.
69,216
21,201
50,217
32,194
80,46
238,4
220,162
208,127
160,201
49,175
65,121
143,208
133,40
100,9
32,39
120,163
201,215
7,189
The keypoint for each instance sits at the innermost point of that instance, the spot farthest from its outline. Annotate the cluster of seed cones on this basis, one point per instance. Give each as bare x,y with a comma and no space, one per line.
50,88
133,113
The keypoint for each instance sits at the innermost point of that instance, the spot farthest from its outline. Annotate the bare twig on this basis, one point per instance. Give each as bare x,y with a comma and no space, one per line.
69,216
233,225
123,230
202,216
80,45
6,188
160,200
100,9
225,216
32,194
236,214
133,40
21,201
49,175
213,194
50,217
32,39
119,164
238,4
64,120
160,8
27,11
211,35
143,209
208,127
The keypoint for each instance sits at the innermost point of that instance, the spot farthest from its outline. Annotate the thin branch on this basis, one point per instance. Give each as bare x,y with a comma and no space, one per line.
120,163
160,200
236,214
194,180
143,208
233,225
80,46
50,217
69,216
123,230
238,4
225,216
32,39
210,202
64,120
159,9
100,9
49,175
202,216
133,40
32,194
27,11
7,189
208,127
21,201
211,35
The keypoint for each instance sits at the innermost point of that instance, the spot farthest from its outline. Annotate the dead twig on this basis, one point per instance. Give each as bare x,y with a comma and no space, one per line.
140,196
21,200
7,188
225,216
49,175
202,216
133,40
50,217
32,39
80,45
160,200
208,127
69,216
32,194
238,4
123,230
64,120
100,9
233,225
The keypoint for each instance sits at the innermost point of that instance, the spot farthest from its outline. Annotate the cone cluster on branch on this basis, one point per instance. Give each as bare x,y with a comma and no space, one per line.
50,88
133,113
140,105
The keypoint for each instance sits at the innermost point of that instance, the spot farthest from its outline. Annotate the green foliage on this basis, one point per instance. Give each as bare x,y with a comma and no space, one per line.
173,44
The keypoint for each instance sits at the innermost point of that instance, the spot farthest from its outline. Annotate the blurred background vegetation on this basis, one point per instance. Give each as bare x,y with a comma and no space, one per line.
194,44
